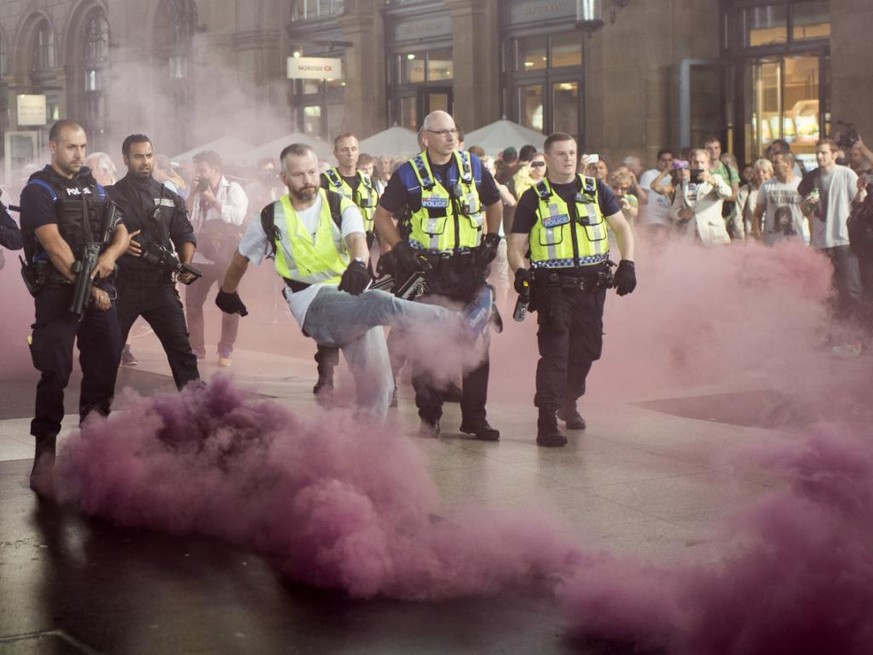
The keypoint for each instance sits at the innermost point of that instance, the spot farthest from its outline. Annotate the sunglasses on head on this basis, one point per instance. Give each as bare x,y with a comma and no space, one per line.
537,164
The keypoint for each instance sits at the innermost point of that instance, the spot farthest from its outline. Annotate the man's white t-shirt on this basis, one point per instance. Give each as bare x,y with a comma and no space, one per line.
254,246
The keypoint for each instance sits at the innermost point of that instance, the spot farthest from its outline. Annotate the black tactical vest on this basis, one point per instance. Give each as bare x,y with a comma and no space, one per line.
80,203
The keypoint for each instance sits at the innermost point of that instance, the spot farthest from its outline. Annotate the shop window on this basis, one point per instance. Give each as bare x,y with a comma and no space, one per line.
429,67
532,53
566,50
811,20
531,106
565,107
312,120
308,9
766,25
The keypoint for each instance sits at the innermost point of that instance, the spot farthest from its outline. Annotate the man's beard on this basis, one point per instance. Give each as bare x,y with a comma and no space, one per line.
306,193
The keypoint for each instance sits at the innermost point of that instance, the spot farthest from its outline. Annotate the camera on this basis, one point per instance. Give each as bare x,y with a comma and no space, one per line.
847,137
679,164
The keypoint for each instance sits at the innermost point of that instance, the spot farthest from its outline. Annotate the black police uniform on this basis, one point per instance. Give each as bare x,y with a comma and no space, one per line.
144,287
455,276
10,235
570,318
77,206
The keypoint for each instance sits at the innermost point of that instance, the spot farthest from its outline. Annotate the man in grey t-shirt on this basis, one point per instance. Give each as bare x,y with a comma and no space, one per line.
828,196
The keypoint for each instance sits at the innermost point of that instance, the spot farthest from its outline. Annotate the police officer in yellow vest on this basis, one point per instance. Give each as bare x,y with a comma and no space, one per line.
561,229
455,216
319,246
346,180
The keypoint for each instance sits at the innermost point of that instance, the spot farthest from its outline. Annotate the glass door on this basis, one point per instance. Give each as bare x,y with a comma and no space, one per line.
783,101
702,105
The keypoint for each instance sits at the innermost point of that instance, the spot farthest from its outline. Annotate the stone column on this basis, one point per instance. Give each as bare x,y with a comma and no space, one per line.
476,57
365,91
851,55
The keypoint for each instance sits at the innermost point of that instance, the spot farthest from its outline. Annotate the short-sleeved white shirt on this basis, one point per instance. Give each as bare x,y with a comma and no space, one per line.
254,246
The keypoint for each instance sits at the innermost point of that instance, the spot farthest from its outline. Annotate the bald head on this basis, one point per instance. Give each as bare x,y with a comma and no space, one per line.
440,136
62,127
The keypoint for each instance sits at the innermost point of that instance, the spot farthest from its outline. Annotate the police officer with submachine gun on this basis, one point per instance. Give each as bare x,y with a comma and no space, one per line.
72,239
158,223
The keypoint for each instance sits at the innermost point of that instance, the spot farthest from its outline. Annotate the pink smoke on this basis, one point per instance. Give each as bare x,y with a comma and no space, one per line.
797,579
333,501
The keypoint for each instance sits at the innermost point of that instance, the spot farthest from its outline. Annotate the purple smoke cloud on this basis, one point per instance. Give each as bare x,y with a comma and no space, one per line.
333,501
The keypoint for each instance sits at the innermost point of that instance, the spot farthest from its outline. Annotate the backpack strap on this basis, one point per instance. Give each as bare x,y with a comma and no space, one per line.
268,224
334,203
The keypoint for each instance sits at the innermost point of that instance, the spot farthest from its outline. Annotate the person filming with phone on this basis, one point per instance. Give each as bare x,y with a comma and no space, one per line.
697,205
217,208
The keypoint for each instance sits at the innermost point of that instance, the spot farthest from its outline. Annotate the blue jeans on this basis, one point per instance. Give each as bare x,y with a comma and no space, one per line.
846,281
354,325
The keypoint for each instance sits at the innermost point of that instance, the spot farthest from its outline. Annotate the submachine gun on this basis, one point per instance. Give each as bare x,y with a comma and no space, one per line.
414,286
84,266
159,255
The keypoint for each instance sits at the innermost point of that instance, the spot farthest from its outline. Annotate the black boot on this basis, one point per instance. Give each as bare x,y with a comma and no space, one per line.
41,476
572,418
548,434
326,358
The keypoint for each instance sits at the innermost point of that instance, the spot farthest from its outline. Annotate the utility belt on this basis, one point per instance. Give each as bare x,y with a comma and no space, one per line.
449,260
549,278
154,276
41,274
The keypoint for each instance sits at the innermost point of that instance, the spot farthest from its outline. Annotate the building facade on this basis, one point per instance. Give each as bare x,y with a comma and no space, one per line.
658,73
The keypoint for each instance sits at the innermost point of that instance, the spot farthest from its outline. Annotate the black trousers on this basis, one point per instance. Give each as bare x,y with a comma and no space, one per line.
159,304
570,338
474,382
54,332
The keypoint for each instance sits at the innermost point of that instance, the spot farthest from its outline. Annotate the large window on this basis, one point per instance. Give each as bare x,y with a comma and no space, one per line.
421,82
43,57
96,60
308,9
546,81
782,50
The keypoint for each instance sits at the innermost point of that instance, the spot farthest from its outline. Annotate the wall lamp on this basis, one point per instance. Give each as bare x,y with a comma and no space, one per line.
589,13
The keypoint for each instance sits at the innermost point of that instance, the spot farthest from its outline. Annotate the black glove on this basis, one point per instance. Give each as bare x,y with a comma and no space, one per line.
625,277
488,248
355,278
523,279
405,256
230,303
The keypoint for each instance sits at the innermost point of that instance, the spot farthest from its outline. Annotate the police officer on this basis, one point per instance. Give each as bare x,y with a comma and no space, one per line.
348,181
63,211
159,227
453,233
562,222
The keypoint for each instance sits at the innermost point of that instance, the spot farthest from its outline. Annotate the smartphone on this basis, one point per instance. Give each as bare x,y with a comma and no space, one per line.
202,184
695,175
587,160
